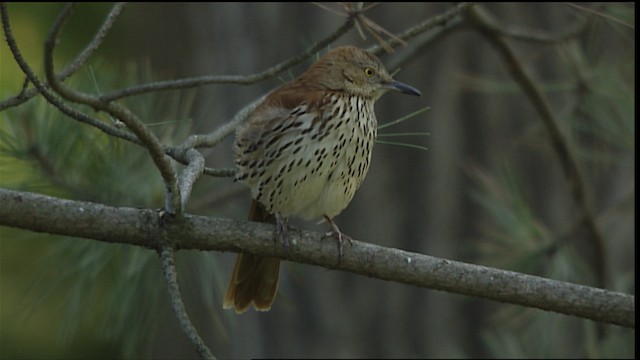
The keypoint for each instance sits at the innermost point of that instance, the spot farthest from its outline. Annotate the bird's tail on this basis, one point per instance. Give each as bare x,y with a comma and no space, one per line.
255,278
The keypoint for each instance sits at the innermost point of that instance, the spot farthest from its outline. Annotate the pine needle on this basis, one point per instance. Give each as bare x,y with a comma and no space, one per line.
419,147
405,134
169,122
406,117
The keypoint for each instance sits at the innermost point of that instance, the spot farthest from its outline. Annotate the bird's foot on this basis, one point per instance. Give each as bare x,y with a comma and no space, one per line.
280,232
339,236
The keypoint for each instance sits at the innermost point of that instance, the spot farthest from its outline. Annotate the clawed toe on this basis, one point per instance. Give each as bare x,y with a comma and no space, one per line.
280,232
339,236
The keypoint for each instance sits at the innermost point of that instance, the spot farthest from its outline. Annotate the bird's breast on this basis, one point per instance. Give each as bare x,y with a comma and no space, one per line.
310,163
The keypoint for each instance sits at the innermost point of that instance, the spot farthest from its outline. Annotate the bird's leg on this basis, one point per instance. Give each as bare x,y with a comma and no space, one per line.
335,231
280,231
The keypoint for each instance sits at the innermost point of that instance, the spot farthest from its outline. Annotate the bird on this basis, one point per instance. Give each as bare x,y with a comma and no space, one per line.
303,152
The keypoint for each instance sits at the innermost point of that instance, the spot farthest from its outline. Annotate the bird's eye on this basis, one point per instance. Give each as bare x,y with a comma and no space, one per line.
369,71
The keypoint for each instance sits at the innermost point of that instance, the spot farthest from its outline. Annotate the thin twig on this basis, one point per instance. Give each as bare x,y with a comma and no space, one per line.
598,13
190,174
534,35
95,43
47,94
230,79
220,172
436,21
212,139
422,45
558,140
180,152
70,69
151,142
170,276
43,89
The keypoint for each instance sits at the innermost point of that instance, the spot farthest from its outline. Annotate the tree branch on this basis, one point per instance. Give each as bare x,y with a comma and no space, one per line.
231,79
172,202
190,174
171,277
568,161
142,227
433,22
80,60
49,95
533,35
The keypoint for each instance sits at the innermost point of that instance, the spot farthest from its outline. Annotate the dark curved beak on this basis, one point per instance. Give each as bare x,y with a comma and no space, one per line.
402,87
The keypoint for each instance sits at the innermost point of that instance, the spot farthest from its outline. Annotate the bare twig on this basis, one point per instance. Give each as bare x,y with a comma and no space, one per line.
230,79
436,21
95,43
559,142
421,46
170,276
601,14
181,152
80,60
212,139
69,111
190,174
151,142
50,96
535,35
229,172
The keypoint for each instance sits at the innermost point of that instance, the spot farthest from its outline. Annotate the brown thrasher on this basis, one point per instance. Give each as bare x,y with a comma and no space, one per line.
304,152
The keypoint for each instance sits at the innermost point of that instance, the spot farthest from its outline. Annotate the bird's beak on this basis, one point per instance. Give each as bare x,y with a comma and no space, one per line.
402,87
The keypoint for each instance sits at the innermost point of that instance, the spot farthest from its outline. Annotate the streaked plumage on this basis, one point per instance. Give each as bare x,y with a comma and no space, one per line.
304,152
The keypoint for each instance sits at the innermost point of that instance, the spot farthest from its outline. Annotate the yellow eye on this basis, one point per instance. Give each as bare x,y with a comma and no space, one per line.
369,71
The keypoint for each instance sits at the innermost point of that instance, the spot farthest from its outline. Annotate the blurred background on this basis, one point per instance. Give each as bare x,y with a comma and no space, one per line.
489,189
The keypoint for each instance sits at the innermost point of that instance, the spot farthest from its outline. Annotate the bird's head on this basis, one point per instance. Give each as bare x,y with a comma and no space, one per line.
355,71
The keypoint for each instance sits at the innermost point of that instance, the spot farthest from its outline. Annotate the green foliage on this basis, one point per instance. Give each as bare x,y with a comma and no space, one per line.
599,118
114,293
514,238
